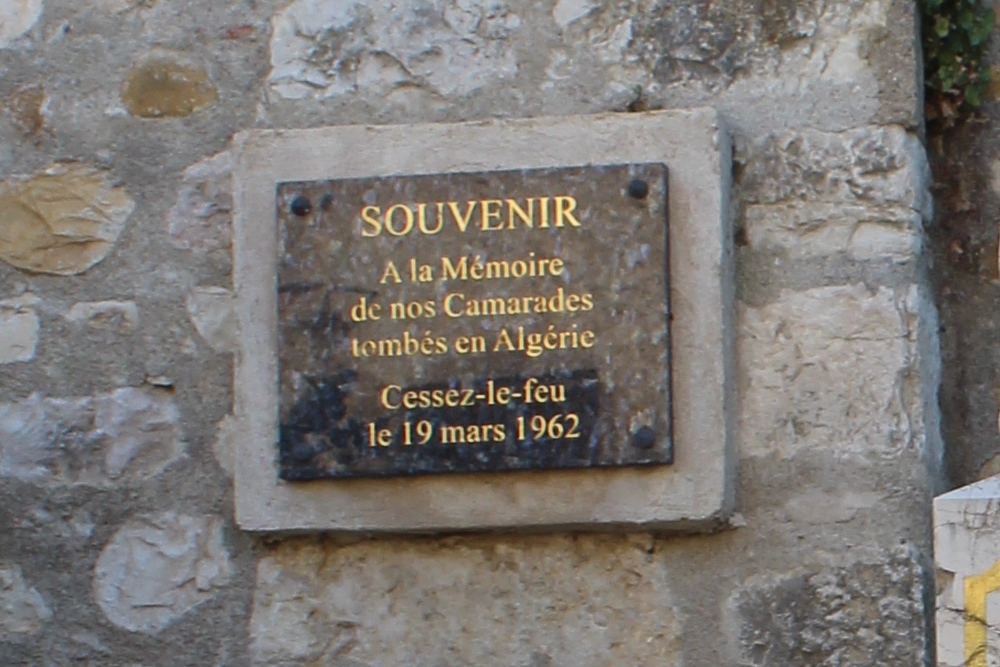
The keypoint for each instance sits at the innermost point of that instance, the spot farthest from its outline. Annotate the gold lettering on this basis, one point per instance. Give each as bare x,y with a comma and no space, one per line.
407,216
564,209
488,205
462,222
447,304
455,272
527,217
404,219
390,272
369,214
452,435
422,219
385,396
504,340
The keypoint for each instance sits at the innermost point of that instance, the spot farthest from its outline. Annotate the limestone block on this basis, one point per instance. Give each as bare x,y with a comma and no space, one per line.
330,48
967,558
22,609
163,87
585,602
18,329
566,11
212,310
815,229
16,18
104,440
859,615
828,368
201,218
118,316
156,569
871,166
62,221
73,526
877,239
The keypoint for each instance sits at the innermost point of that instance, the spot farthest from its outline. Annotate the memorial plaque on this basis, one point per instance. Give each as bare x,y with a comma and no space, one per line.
501,324
470,322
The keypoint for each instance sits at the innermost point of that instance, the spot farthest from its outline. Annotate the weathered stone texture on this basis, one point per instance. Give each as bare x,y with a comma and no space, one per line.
61,221
803,230
868,613
212,311
163,87
116,546
827,369
813,63
18,329
328,48
559,601
201,219
856,200
118,316
120,437
28,108
16,18
156,569
22,609
871,166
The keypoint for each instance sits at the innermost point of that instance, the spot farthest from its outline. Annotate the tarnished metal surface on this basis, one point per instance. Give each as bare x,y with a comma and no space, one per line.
474,322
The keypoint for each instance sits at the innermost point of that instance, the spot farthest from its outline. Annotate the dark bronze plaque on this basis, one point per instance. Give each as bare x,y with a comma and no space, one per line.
474,322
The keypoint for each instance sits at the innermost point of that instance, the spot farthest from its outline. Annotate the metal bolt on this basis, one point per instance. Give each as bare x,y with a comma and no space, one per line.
638,188
644,438
300,206
326,203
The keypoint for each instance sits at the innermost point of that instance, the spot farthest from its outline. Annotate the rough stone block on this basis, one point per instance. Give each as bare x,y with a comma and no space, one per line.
18,329
123,436
62,220
586,602
17,17
859,615
813,230
831,368
201,218
156,569
868,166
118,316
23,612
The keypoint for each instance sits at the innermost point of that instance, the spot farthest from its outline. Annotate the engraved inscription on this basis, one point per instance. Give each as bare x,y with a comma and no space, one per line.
474,322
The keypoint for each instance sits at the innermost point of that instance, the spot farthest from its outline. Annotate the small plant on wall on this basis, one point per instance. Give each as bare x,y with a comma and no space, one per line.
956,74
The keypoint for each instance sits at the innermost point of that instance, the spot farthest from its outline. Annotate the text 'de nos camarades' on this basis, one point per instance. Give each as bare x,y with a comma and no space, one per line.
475,322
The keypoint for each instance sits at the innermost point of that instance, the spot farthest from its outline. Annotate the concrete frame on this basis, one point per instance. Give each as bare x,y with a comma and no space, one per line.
693,494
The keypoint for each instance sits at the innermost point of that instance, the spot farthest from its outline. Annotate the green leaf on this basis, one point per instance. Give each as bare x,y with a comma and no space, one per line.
956,36
973,96
941,26
980,32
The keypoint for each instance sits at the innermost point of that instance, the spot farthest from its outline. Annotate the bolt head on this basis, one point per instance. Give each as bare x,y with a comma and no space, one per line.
637,188
644,438
300,206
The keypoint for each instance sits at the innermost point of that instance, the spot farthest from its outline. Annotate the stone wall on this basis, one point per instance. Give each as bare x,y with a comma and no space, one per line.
117,544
